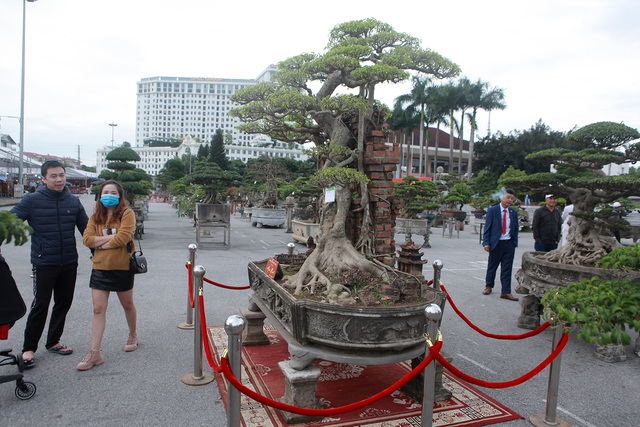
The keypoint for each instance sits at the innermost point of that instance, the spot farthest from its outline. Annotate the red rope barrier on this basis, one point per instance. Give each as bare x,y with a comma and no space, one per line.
190,279
501,384
226,370
536,331
220,285
205,336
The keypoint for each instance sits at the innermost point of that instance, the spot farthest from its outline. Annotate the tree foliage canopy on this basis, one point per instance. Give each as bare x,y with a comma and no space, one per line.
329,99
580,177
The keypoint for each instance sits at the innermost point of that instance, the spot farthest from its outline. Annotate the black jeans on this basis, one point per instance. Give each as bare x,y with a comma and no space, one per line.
545,247
59,281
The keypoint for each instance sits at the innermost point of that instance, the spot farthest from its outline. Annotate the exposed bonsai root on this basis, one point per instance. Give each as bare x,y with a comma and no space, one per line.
320,266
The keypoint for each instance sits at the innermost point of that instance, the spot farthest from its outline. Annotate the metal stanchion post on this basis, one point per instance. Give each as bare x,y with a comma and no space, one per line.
234,326
549,418
197,377
433,314
437,273
192,260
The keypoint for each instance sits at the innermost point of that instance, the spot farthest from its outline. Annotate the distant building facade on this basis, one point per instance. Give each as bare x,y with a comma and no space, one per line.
191,110
153,159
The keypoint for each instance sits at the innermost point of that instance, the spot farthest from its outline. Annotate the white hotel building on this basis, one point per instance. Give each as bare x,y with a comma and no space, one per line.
191,109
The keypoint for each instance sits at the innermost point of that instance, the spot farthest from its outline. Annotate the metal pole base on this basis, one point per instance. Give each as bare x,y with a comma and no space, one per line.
207,377
539,421
185,325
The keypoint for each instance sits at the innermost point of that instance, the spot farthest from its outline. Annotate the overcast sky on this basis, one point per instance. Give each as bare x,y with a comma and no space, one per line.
569,63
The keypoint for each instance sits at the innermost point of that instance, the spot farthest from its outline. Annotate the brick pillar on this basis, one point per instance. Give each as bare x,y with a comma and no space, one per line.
380,161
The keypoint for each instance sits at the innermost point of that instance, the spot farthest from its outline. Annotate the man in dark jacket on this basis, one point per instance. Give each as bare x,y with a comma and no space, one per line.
547,223
500,239
54,214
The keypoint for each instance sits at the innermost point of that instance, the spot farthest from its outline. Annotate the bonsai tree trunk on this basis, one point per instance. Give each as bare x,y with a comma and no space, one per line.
334,252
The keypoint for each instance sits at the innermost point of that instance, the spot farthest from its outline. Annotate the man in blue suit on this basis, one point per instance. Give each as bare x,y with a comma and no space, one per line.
500,239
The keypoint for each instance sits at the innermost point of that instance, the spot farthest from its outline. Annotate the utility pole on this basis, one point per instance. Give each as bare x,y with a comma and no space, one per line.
113,125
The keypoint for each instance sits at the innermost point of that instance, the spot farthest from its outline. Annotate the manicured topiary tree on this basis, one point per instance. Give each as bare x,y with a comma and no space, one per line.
135,181
579,176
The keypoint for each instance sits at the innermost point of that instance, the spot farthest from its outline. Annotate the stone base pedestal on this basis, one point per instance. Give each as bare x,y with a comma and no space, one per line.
415,387
300,390
529,317
254,332
610,353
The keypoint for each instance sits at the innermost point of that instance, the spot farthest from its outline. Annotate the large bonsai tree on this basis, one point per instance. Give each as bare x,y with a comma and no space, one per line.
579,176
329,99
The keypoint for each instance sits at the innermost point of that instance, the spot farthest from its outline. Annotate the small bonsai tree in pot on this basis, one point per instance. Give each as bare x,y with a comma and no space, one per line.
417,196
602,310
480,205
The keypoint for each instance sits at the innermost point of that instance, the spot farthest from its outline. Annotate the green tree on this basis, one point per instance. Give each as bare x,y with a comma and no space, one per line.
203,151
172,170
417,99
213,179
135,181
417,195
217,152
404,120
496,152
449,101
438,113
359,56
595,146
459,194
480,97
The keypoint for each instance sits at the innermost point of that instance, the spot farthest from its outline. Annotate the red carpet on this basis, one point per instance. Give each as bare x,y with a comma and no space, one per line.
341,384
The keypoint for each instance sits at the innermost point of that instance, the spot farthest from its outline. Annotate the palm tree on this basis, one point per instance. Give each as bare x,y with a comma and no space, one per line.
450,100
462,87
481,97
438,114
417,99
403,120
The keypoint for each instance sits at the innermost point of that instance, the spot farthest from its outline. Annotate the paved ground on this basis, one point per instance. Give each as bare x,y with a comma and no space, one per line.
144,387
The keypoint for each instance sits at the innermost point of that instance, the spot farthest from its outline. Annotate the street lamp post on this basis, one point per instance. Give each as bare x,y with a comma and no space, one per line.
21,142
113,125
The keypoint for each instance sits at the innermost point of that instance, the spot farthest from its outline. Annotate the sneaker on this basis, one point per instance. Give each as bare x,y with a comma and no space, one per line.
93,358
132,343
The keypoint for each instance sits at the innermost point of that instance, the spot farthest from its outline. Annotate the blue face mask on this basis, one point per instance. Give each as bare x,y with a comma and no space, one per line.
109,200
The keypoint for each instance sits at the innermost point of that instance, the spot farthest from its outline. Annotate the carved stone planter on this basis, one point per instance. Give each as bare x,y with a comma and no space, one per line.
355,330
610,353
411,226
302,230
538,276
270,217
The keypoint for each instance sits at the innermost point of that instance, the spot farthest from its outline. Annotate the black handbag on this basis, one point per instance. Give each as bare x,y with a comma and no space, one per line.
137,262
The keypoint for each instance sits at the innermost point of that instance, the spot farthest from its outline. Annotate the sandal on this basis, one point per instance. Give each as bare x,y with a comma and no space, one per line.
28,363
60,349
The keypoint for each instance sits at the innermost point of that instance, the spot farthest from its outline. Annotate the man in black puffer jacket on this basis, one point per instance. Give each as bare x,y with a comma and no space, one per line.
54,214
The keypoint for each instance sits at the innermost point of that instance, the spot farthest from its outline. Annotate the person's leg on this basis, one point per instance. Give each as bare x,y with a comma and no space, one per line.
492,268
94,357
63,290
506,266
43,280
100,300
126,299
539,247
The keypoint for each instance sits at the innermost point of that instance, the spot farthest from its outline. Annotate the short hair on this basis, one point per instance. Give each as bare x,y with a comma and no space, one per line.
50,164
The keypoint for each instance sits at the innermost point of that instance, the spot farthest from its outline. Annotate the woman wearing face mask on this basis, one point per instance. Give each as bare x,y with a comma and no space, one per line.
109,230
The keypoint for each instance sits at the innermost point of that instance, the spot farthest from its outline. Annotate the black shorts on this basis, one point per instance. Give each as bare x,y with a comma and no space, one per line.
111,280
